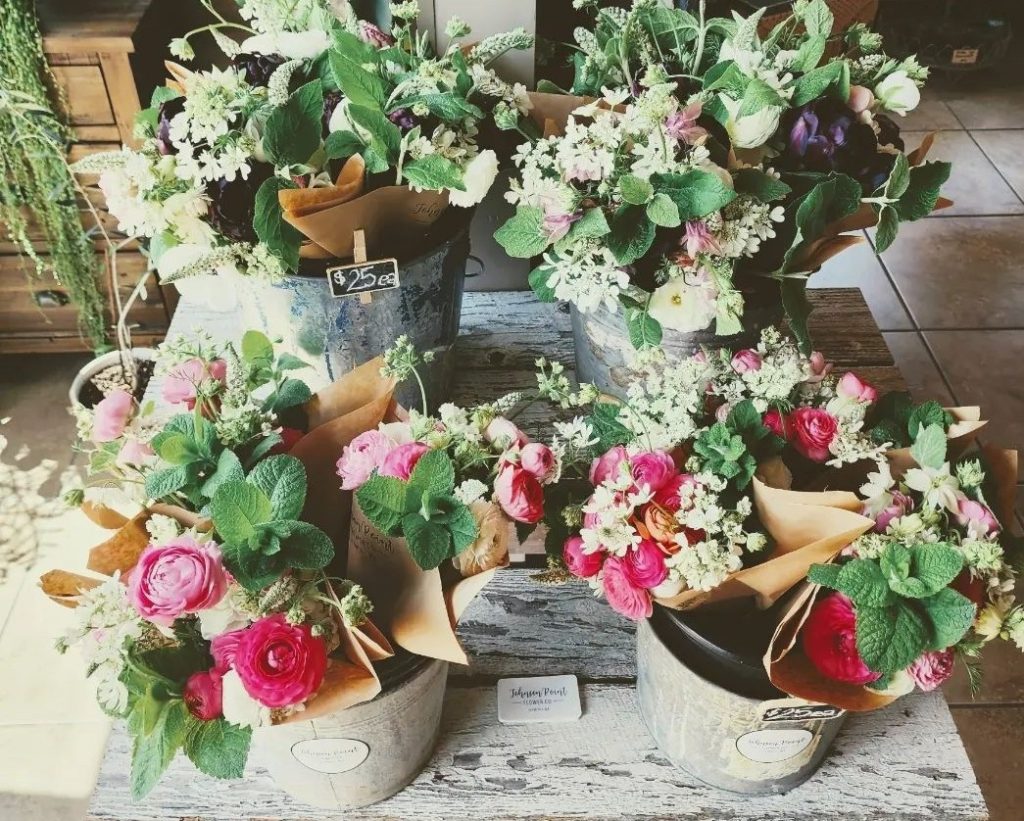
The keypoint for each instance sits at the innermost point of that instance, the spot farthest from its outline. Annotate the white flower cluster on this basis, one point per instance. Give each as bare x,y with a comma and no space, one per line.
276,16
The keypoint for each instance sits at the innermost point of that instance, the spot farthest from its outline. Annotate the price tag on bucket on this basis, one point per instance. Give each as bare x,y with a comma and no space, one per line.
363,277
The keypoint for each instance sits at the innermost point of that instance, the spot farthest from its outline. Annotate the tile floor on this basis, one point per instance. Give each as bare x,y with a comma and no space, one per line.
949,296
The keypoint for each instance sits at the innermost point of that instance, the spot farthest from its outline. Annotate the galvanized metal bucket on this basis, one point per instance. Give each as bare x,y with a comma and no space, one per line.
362,755
335,334
744,745
605,356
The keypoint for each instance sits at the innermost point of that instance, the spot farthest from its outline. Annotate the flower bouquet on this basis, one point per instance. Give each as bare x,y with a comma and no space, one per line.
716,160
436,500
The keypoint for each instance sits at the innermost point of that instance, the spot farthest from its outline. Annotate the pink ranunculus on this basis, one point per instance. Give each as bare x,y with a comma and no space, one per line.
699,239
811,430
668,496
181,385
820,367
775,422
204,695
644,565
134,452
504,433
400,462
607,466
652,470
519,494
364,454
590,520
177,578
623,595
746,361
722,412
853,387
111,416
861,99
901,505
580,564
977,516
280,664
374,35
537,459
223,648
829,638
932,669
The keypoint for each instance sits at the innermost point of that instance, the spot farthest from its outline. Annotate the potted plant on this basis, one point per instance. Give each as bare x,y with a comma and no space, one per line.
690,203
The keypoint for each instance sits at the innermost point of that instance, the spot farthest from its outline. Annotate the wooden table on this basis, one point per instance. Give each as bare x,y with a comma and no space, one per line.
905,762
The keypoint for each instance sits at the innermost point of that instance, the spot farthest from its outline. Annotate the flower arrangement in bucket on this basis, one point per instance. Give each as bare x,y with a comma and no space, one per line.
714,159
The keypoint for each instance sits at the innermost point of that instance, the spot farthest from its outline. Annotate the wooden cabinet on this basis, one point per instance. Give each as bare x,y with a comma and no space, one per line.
107,56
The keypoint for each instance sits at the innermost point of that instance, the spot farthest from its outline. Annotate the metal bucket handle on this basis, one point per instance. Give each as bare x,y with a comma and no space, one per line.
478,261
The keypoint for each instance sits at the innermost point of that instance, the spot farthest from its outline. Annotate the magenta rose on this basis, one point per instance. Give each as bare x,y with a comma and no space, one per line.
644,565
537,459
901,505
111,416
180,577
653,470
977,517
181,385
775,422
746,361
364,454
853,387
625,597
223,648
280,664
932,669
667,496
400,462
204,695
607,466
519,494
580,564
811,430
829,638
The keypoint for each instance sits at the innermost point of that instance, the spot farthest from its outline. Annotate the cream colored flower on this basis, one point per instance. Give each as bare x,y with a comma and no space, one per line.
478,179
680,306
491,547
898,93
751,130
239,707
294,45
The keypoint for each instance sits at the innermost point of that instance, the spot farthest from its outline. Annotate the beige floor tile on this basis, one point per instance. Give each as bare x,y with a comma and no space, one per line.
924,381
974,185
957,272
931,115
994,738
995,108
11,580
1006,151
858,267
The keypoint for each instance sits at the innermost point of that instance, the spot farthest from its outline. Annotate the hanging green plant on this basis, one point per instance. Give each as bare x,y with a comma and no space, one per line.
36,185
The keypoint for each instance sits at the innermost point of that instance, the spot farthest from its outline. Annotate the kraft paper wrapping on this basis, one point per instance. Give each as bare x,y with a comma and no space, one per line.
807,528
967,422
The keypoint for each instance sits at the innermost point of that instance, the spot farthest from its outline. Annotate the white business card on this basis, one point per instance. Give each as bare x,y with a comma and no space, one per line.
538,699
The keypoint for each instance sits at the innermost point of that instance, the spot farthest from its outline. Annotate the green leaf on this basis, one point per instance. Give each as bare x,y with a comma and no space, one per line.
725,454
257,349
290,392
632,234
864,583
592,225
831,77
523,236
348,44
434,473
695,193
951,616
384,501
429,543
251,568
292,131
644,330
356,83
154,751
929,448
434,173
890,638
463,527
810,52
759,184
798,310
161,95
604,419
726,77
447,105
290,362
385,137
634,190
304,546
922,194
925,415
922,570
229,469
758,96
175,448
270,226
827,575
899,178
887,228
539,283
218,748
818,19
162,483
237,508
662,211
282,479
340,145
745,420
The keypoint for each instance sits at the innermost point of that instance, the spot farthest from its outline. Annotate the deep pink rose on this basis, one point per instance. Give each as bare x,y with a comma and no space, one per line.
280,664
901,506
932,669
607,466
223,648
775,422
644,565
580,564
364,454
974,513
811,430
400,462
204,695
623,595
853,387
111,416
653,470
180,577
830,641
667,495
134,452
181,385
537,459
746,361
519,494
504,433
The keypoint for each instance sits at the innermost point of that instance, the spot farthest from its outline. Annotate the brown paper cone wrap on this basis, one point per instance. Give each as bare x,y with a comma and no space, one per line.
791,671
1001,467
64,588
967,422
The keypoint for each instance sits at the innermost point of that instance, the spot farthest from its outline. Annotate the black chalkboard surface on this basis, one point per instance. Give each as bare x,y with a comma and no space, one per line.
363,277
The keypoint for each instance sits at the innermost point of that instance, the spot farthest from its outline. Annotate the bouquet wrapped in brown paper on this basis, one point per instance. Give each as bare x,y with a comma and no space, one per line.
213,609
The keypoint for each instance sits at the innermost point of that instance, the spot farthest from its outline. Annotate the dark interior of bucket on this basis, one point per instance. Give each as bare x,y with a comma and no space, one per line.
398,669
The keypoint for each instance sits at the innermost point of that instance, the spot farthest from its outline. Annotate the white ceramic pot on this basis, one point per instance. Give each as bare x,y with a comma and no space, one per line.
102,362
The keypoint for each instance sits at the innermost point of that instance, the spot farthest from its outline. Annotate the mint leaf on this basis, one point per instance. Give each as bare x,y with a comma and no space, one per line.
695,193
929,448
289,394
818,19
341,145
356,83
257,349
922,194
826,575
463,527
604,419
644,330
757,184
831,77
539,283
887,228
662,211
634,190
175,448
283,480
632,234
725,454
951,615
434,173
890,638
162,483
923,416
384,500
269,224
447,105
899,178
928,569
292,131
218,748
304,546
864,583
229,469
523,236
798,310
385,137
251,569
237,508
429,543
152,752
758,96
592,225
434,473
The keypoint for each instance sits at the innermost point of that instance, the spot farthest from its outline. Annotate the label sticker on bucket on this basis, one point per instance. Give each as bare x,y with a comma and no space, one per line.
772,746
331,756
363,277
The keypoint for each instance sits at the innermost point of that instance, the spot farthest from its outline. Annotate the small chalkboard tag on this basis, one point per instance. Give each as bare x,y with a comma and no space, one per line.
538,699
796,710
363,277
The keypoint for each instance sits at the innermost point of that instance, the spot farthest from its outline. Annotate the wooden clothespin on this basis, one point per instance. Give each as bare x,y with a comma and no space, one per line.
359,255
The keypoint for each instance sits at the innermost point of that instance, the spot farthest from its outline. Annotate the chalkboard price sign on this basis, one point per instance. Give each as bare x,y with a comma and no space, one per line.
363,277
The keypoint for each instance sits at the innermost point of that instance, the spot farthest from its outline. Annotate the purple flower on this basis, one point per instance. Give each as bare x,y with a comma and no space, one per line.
168,111
257,68
404,119
233,204
332,99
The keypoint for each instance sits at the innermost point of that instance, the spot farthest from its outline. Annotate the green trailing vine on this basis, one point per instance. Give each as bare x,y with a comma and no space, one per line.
36,185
